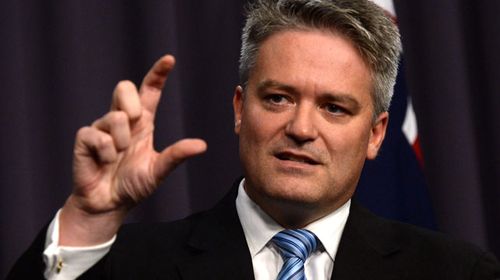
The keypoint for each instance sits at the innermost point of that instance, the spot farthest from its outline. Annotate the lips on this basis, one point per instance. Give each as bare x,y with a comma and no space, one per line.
297,157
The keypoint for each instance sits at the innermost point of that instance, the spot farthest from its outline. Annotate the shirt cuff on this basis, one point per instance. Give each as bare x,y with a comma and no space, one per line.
64,262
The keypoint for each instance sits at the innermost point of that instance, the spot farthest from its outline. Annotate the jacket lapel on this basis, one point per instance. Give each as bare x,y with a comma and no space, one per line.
366,245
220,247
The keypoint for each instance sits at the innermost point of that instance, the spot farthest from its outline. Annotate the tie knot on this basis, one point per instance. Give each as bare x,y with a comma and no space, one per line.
298,243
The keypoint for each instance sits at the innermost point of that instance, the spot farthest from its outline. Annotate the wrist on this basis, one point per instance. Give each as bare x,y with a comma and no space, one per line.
78,227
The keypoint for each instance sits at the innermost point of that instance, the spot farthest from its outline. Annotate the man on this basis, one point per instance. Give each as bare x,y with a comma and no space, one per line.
316,83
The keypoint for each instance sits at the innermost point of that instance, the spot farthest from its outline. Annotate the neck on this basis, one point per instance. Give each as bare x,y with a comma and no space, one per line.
292,214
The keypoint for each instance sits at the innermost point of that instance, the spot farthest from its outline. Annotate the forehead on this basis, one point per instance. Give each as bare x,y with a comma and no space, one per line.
312,60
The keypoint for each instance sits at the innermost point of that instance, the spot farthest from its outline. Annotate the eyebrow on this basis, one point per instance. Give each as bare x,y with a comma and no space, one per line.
275,84
341,97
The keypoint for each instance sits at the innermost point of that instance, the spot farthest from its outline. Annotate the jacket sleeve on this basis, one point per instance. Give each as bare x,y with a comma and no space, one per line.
486,268
30,265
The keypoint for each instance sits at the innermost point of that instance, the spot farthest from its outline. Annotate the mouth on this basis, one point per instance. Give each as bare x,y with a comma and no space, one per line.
296,157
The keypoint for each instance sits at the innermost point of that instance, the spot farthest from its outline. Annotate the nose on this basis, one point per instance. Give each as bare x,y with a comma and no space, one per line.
301,127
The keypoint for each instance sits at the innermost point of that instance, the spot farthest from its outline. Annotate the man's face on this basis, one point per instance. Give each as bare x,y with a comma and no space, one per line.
305,123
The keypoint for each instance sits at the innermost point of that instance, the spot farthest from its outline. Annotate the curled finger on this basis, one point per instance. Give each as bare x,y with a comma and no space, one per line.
92,142
116,123
126,99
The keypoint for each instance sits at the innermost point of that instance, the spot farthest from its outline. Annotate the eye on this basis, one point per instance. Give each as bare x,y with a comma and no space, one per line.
276,99
335,109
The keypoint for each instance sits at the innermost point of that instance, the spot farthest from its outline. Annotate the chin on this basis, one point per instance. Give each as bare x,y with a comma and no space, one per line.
294,190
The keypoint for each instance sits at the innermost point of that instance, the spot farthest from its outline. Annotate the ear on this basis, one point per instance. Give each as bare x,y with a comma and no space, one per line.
377,135
238,108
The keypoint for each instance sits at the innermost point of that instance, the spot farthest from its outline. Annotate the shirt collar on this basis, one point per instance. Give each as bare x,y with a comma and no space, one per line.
259,227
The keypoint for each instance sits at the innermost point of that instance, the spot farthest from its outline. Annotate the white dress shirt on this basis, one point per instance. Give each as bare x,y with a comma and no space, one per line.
64,263
259,228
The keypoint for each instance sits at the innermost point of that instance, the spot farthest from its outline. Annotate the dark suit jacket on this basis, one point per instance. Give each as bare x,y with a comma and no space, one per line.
211,245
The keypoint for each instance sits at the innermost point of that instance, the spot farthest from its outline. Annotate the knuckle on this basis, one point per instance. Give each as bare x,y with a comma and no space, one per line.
83,132
104,142
117,117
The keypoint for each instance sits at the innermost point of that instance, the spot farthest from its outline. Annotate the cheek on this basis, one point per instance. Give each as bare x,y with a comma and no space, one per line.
249,133
348,145
347,155
252,138
258,126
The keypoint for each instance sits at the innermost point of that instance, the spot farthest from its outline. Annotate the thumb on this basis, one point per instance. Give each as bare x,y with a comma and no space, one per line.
175,154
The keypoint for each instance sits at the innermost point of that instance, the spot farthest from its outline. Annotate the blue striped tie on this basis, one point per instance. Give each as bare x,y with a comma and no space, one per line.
294,247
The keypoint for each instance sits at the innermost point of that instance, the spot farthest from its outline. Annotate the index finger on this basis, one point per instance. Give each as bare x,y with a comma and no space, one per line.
154,81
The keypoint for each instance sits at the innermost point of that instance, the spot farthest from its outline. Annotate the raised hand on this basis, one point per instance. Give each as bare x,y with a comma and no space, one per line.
115,165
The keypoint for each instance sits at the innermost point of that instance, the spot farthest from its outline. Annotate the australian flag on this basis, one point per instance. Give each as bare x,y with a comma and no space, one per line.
394,185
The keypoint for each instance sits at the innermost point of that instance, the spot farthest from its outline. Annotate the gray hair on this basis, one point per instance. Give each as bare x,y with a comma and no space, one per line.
363,22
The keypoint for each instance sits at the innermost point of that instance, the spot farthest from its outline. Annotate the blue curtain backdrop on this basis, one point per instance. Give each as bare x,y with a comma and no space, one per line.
61,59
